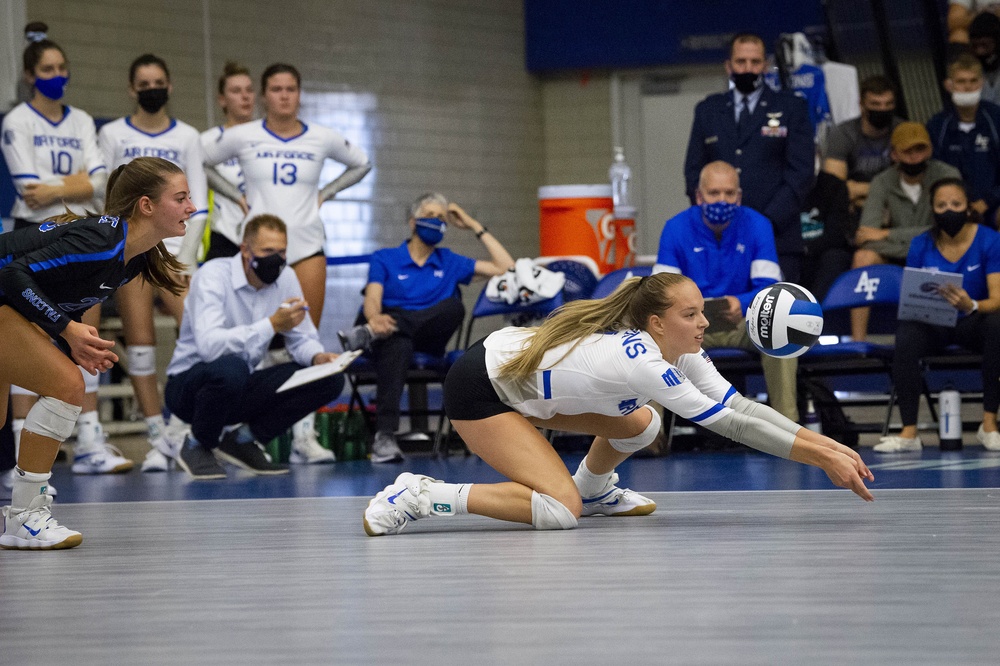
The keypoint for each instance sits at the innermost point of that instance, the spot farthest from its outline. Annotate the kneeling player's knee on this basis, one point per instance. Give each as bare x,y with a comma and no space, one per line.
548,513
643,439
52,417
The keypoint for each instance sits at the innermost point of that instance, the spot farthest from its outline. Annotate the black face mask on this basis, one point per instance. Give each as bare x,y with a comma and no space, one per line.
879,119
747,82
951,221
913,169
267,268
153,99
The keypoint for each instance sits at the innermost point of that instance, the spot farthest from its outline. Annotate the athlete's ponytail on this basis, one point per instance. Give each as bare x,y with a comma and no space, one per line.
146,177
629,306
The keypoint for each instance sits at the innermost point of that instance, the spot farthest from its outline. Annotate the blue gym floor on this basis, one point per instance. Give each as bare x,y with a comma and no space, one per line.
972,467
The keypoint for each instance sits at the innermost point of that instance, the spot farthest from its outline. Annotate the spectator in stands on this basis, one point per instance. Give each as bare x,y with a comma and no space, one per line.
858,150
767,136
727,250
961,15
412,303
968,136
984,42
235,306
898,207
955,243
828,232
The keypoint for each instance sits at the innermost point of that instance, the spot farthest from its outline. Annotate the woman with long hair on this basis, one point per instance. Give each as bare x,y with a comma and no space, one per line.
151,130
50,275
591,368
282,160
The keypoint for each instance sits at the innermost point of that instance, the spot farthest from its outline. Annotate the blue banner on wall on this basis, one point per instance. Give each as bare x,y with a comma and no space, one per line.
614,34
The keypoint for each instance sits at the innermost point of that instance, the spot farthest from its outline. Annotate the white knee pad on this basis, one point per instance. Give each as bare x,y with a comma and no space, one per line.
17,390
51,417
90,382
548,513
643,439
141,360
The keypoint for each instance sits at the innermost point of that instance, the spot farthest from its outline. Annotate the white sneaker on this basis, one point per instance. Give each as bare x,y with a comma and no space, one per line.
34,528
8,483
897,444
404,500
156,462
307,450
615,501
989,440
101,459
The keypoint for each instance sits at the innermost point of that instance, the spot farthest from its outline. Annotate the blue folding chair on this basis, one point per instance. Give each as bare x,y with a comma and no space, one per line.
612,280
580,278
484,307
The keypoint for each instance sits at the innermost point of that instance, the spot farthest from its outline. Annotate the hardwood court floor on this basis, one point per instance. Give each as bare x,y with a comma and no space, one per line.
779,577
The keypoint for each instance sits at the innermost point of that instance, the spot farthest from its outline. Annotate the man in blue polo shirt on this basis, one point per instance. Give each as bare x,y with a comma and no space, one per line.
729,251
412,303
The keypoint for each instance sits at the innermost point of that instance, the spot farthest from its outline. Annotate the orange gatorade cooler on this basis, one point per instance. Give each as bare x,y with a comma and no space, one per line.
578,220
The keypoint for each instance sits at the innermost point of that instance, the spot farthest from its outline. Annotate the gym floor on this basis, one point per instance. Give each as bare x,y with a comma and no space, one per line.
748,559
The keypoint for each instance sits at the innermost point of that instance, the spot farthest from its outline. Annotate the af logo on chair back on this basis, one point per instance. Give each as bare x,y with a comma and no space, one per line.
868,285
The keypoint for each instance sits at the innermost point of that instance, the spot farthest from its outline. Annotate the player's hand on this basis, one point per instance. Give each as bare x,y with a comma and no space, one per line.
39,195
89,350
383,325
844,473
289,315
324,357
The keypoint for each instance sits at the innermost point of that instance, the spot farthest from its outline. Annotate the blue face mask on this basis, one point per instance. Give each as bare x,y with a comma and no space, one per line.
52,88
431,229
720,212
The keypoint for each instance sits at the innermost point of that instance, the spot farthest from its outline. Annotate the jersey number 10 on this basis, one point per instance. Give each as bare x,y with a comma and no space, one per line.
62,163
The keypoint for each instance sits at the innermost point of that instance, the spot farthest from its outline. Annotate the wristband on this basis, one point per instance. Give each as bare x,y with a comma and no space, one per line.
484,230
975,306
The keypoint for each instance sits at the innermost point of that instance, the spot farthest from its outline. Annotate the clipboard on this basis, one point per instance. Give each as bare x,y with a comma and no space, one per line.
314,372
715,309
919,299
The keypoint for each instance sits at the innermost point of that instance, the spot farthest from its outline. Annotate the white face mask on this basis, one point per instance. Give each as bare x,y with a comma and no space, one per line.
966,98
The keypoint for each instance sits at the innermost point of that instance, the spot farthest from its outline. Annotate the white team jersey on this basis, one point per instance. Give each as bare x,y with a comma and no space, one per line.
282,175
226,216
40,151
121,142
611,374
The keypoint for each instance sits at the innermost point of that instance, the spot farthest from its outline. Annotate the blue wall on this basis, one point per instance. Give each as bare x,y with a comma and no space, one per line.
597,34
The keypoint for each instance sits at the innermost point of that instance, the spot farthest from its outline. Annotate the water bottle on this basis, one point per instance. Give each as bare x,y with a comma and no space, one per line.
621,183
811,420
950,419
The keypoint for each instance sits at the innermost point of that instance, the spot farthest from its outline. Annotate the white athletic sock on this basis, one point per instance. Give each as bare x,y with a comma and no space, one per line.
16,426
156,425
588,483
449,499
302,429
27,486
88,426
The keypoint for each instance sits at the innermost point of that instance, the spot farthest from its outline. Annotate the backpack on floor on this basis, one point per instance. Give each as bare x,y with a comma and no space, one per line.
836,425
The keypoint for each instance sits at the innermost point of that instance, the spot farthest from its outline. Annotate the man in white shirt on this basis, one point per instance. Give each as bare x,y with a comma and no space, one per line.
234,308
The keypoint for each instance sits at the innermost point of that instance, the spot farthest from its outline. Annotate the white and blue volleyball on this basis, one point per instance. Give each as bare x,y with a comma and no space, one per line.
784,320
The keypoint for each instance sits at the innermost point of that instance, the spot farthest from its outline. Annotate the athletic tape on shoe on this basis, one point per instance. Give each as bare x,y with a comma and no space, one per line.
51,417
17,390
90,382
548,513
643,439
141,360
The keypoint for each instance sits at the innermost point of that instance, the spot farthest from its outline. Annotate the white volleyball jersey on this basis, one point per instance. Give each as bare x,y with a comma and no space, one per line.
121,142
282,175
611,374
40,151
226,216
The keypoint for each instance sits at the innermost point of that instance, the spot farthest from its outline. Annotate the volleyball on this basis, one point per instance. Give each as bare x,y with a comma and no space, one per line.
784,320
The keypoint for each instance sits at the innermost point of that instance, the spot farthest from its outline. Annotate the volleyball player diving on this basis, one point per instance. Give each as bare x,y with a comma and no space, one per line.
591,368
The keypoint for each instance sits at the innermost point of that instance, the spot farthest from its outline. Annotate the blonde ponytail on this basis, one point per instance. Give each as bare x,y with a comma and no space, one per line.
629,306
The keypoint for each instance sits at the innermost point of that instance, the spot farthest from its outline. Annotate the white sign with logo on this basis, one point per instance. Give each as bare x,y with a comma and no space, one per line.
919,299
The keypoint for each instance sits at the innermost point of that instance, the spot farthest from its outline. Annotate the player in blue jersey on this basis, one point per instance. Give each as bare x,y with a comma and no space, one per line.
49,276
593,367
